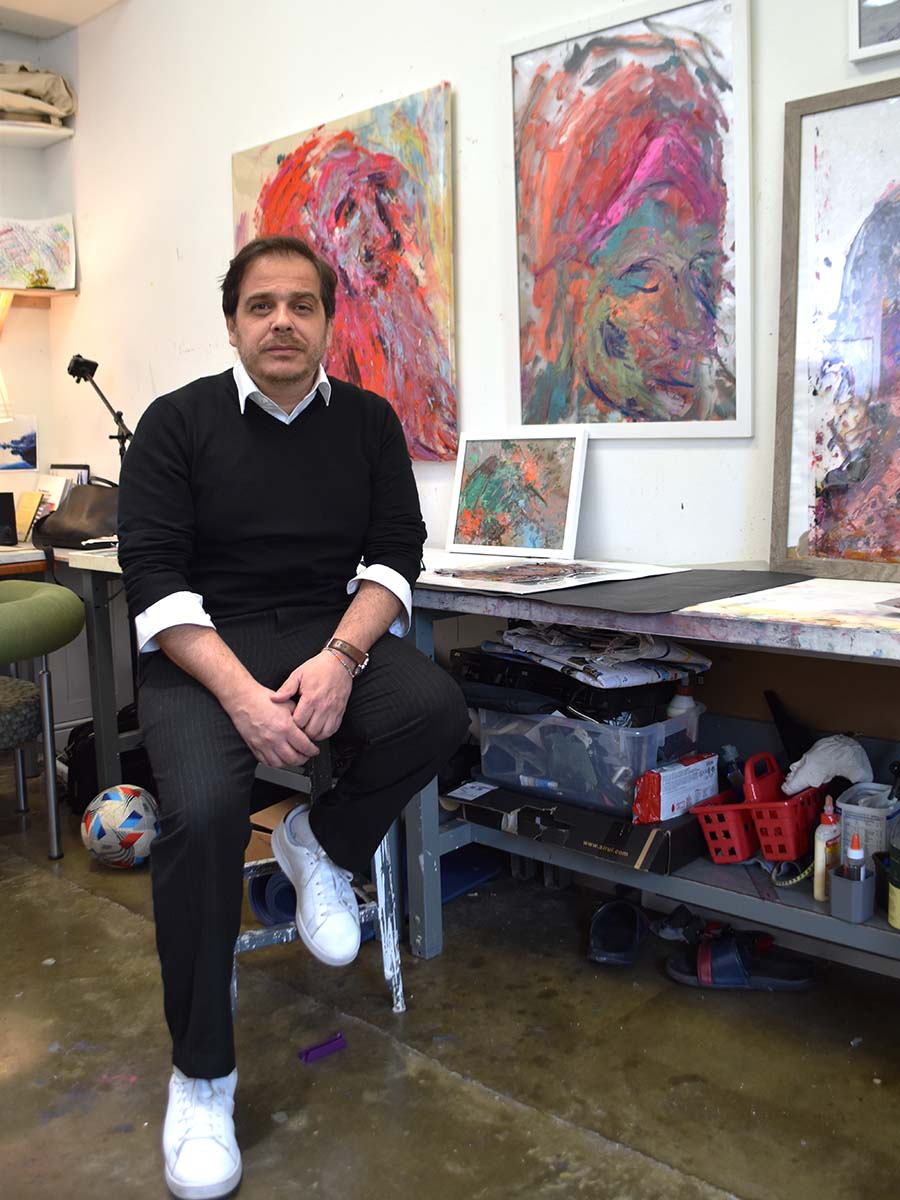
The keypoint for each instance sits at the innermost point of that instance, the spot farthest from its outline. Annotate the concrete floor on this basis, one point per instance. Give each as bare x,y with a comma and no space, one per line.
520,1069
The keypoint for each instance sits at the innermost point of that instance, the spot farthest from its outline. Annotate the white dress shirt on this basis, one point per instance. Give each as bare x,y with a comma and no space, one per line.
186,608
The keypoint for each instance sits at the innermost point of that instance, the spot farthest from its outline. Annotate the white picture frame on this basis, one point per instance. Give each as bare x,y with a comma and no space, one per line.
506,523
859,50
736,12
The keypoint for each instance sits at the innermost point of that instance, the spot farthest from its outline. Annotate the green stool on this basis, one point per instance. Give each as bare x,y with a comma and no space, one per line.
35,619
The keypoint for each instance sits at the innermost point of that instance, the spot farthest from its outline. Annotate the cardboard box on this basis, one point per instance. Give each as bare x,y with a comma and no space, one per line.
259,847
660,848
263,822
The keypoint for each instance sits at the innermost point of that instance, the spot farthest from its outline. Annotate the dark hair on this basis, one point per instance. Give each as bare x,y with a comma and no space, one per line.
277,244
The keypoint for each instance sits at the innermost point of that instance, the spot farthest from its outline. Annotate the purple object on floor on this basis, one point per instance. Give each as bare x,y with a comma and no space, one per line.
331,1046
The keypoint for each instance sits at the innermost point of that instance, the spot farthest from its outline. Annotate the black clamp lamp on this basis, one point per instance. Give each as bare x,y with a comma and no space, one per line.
82,368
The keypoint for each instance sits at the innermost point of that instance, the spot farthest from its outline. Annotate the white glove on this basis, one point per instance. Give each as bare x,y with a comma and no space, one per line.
828,758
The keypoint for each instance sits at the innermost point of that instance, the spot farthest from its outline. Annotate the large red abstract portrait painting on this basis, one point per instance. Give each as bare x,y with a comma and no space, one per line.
371,194
630,147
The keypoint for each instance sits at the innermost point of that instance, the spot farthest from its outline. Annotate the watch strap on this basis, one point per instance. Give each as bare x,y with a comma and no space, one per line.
357,656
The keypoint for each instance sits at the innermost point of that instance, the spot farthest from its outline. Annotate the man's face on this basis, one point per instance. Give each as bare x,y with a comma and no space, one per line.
280,329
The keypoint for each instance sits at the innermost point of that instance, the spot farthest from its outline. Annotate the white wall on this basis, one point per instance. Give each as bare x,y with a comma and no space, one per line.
170,88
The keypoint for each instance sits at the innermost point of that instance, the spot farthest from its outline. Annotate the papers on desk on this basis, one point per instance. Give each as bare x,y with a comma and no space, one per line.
522,576
105,560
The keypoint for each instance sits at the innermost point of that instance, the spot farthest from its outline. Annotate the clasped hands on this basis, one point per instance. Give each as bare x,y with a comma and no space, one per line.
282,727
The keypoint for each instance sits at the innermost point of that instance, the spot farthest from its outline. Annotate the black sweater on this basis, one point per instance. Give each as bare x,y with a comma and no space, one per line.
254,514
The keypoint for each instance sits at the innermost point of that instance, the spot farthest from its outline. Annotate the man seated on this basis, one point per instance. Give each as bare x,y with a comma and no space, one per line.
248,499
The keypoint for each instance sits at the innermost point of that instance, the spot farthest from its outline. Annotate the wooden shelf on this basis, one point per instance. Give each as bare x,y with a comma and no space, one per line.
29,298
29,135
39,297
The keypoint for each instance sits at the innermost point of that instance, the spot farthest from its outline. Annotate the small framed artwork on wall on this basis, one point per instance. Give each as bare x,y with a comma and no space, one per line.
631,144
874,28
518,493
837,437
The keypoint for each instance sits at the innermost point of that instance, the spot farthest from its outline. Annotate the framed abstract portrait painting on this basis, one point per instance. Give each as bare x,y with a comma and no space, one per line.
518,493
371,193
836,505
633,223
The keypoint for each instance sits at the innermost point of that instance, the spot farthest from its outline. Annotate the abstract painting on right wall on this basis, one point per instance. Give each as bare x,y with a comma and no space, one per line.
837,450
632,223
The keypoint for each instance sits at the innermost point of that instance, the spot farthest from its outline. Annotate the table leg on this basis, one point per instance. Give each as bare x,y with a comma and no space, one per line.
103,681
423,856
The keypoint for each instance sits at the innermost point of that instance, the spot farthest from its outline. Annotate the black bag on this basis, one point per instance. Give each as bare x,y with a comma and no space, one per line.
86,519
79,759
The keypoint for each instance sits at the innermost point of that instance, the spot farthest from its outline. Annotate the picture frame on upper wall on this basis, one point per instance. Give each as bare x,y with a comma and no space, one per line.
631,162
518,492
874,28
837,433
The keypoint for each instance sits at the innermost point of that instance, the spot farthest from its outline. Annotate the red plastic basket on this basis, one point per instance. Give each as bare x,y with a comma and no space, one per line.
783,823
728,827
784,826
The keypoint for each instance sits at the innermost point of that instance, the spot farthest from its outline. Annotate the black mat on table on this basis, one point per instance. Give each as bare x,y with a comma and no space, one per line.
665,593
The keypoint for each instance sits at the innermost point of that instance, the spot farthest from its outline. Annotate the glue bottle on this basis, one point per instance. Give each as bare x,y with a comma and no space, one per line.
854,867
826,849
682,702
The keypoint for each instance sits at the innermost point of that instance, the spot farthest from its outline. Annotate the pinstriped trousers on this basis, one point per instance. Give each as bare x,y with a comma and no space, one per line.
405,717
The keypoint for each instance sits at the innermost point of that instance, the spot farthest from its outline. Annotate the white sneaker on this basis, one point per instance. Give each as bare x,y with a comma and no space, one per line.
327,912
201,1155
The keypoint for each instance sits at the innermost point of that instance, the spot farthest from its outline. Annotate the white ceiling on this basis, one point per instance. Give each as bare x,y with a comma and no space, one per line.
48,18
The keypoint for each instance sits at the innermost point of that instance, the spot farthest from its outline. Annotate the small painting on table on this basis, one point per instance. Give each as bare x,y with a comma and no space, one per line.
518,494
371,194
837,466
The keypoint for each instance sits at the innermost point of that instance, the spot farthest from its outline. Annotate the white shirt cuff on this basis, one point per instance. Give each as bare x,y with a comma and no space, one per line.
178,608
394,582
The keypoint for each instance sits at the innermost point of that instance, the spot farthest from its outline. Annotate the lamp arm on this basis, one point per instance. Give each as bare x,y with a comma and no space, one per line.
123,434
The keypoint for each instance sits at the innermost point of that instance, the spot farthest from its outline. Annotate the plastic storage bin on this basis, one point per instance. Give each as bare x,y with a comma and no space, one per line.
591,765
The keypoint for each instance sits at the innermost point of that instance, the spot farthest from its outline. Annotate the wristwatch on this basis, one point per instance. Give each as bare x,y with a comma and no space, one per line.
359,658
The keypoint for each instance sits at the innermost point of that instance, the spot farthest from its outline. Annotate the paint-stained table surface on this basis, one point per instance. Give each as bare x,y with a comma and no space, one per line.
840,617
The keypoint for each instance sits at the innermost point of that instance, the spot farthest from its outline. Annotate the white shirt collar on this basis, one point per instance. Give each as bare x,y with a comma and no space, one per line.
246,387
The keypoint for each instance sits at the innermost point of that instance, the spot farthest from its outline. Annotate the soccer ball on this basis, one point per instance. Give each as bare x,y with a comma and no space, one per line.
119,824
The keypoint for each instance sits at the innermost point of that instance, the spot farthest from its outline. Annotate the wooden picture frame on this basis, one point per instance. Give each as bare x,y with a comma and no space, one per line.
835,435
583,150
518,493
860,49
